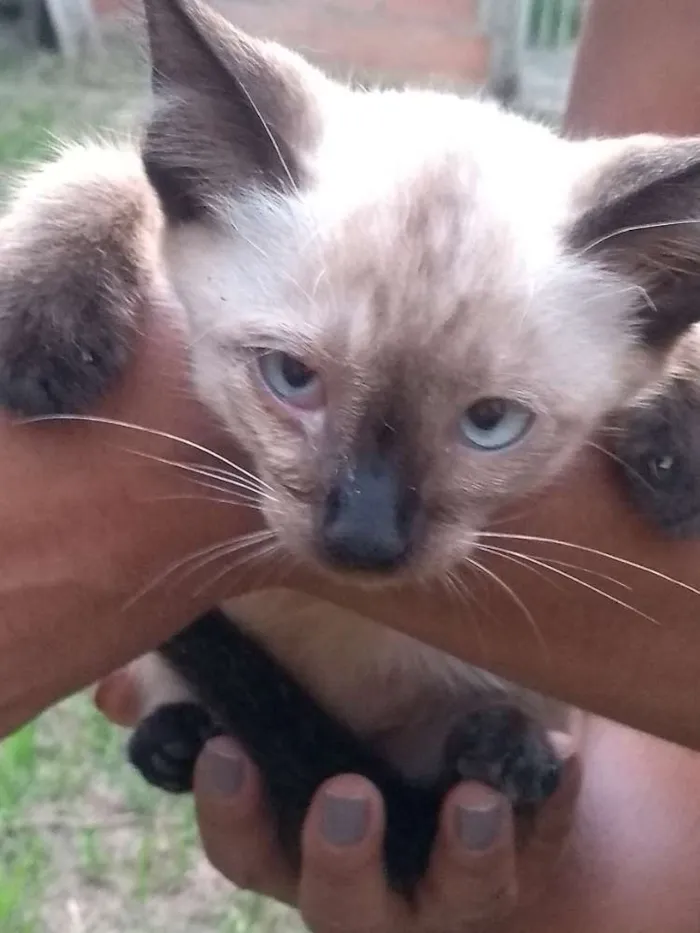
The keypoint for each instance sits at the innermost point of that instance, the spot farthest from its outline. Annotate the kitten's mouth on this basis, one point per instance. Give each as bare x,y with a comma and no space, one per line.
366,578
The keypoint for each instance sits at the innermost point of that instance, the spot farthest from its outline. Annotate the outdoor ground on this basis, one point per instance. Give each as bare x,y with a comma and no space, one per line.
85,845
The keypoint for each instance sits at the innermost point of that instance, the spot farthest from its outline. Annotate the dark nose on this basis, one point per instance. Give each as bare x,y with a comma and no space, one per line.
369,518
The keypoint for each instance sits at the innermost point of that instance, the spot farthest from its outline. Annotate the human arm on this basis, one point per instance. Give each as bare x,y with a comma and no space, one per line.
101,536
637,70
87,525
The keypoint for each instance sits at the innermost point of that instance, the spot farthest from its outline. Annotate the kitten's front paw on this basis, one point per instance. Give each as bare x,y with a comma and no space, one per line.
165,746
60,358
657,446
503,747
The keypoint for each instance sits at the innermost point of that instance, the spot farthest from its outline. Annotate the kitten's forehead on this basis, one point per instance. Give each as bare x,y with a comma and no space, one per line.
438,180
429,236
448,255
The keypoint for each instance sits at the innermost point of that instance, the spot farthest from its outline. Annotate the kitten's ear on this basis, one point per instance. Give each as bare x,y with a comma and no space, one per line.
77,265
230,111
639,214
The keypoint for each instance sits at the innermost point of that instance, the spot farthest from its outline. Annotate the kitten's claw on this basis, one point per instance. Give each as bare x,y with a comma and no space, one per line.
503,747
165,746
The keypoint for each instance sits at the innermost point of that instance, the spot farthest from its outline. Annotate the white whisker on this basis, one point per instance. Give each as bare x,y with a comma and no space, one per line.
228,550
516,600
246,503
458,588
188,468
588,570
559,563
613,456
637,228
269,134
183,562
243,496
113,422
590,550
515,558
255,555
509,555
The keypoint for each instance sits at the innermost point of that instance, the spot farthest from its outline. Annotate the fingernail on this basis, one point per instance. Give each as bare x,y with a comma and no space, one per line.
222,768
479,821
344,820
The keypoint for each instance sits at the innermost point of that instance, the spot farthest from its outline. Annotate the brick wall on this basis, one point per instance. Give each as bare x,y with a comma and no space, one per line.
401,38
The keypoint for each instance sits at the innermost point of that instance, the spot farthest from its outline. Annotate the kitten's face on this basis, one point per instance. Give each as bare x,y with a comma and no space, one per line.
404,358
399,302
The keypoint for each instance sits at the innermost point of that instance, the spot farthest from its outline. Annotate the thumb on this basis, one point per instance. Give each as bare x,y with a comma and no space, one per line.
117,698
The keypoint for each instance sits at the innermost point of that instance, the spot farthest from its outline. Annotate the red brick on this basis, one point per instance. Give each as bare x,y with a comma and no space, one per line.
424,52
358,7
462,13
346,35
383,49
109,8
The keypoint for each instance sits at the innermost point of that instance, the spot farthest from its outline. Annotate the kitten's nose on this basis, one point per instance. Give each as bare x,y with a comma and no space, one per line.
369,518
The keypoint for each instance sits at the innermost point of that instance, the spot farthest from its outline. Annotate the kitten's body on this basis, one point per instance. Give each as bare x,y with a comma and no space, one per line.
416,254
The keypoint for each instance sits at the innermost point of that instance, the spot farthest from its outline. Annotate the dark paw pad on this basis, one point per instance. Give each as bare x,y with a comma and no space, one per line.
165,746
503,747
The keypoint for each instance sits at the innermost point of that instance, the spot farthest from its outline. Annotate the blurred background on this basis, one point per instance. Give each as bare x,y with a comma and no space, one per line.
85,845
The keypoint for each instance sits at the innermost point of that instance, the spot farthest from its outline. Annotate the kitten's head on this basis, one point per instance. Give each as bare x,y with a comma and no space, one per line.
411,309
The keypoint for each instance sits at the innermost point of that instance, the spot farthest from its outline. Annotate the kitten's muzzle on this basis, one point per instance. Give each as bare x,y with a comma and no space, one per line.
369,517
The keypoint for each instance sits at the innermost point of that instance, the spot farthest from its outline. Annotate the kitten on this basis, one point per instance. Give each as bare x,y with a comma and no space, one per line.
412,311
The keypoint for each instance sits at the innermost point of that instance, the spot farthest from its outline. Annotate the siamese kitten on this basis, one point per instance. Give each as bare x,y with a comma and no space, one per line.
412,310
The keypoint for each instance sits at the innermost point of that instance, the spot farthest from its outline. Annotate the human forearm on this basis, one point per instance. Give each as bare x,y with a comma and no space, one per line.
86,526
638,69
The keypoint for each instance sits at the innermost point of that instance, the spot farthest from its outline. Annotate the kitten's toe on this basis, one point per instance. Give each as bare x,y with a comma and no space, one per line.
503,747
165,746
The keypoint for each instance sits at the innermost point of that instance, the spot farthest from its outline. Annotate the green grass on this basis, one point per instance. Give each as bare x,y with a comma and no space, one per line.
85,845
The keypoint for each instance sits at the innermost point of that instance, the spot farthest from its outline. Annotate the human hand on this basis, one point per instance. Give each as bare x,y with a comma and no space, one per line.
475,880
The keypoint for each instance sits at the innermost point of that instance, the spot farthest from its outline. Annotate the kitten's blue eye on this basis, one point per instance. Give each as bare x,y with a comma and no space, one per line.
495,423
291,380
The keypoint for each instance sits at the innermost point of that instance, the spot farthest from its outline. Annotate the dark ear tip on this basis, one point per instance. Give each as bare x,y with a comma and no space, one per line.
173,187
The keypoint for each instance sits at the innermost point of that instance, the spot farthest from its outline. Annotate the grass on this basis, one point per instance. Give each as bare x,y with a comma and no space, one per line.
41,98
85,845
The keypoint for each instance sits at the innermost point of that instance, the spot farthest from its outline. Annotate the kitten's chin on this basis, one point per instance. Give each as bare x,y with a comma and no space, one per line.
365,579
